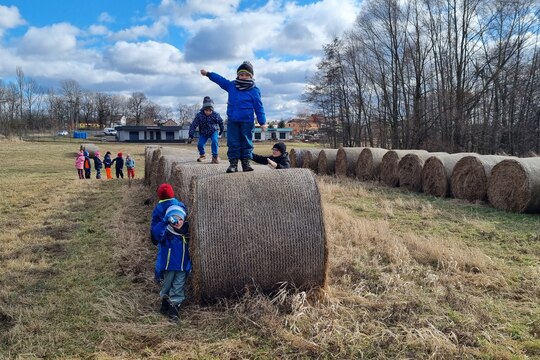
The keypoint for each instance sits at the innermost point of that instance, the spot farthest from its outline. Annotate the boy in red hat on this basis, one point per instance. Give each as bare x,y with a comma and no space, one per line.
119,166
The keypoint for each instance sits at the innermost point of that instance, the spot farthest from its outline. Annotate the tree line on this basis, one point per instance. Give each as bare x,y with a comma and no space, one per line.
441,75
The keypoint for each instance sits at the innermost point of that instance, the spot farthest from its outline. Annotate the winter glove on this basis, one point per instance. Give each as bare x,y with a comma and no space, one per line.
272,164
172,220
190,140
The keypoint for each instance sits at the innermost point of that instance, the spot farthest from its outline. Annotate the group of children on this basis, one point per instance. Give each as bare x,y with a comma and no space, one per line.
83,164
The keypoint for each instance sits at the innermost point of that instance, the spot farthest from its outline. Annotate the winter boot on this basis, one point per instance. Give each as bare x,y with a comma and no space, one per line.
215,159
201,158
165,305
246,166
233,167
174,314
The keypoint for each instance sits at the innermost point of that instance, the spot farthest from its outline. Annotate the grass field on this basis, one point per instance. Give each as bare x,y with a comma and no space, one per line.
410,276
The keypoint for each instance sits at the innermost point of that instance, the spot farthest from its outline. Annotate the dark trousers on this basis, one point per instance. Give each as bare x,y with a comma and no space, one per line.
119,173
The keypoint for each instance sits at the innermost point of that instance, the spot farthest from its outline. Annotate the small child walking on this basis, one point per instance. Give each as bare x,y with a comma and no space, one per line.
107,162
210,126
79,164
130,166
119,166
98,164
87,165
173,262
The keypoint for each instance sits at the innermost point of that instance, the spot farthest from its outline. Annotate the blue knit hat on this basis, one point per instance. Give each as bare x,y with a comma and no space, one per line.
175,210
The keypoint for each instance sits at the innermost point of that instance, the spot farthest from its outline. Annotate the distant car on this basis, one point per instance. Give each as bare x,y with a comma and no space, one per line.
62,133
109,131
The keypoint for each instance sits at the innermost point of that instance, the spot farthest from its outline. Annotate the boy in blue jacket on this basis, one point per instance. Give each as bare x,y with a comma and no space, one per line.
173,262
210,126
165,194
244,100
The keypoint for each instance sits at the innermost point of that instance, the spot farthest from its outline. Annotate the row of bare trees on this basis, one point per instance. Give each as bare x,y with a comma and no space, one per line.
27,107
452,75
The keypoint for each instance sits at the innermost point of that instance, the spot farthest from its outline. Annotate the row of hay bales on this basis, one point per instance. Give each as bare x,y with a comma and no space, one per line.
507,182
262,228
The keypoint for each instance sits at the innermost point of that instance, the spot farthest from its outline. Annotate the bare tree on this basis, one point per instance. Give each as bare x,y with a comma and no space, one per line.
136,104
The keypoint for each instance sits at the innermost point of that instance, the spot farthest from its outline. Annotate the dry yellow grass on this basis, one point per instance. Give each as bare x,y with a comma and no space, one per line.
409,276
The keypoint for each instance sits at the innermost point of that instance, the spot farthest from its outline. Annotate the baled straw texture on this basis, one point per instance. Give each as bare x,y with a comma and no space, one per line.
257,229
157,170
346,159
410,170
368,166
389,165
297,157
514,185
91,148
148,155
311,159
437,172
470,177
327,162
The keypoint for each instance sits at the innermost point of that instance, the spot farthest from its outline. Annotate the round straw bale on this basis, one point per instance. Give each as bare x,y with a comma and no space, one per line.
470,176
410,170
327,162
157,171
368,165
514,185
256,229
148,155
346,159
311,159
389,165
297,157
437,171
91,148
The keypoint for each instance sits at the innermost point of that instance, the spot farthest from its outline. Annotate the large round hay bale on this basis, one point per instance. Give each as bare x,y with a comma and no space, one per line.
148,155
311,159
437,171
410,170
514,185
157,171
390,163
297,156
327,162
238,241
368,165
470,176
346,159
91,148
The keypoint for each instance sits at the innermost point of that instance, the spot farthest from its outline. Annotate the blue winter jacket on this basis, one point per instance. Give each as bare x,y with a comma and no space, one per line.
241,105
208,125
107,161
173,249
159,213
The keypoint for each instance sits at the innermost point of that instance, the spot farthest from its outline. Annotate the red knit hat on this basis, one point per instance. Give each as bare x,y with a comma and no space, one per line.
165,191
120,154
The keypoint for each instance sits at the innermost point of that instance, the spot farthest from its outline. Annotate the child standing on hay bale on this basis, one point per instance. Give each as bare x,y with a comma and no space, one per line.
119,160
244,100
107,162
173,262
87,165
79,164
130,166
98,164
210,126
278,160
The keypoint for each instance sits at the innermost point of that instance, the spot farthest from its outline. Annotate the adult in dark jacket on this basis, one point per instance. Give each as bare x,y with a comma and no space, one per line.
210,126
119,166
278,160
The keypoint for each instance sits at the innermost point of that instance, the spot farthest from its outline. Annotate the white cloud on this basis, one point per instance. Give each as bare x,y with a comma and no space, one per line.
9,18
104,17
54,40
98,30
155,30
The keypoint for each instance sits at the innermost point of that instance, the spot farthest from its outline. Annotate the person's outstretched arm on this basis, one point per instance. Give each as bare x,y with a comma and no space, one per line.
259,159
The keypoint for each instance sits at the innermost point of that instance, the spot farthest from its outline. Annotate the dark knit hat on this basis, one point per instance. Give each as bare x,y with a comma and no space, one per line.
246,67
281,147
207,103
165,191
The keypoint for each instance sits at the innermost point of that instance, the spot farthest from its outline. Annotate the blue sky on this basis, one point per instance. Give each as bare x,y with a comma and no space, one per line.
158,47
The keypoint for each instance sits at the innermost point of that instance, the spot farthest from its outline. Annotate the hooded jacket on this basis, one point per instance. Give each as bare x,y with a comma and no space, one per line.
282,161
207,125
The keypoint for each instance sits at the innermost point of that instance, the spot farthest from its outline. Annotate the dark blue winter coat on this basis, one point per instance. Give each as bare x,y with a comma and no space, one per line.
282,161
98,164
173,248
107,162
207,124
159,213
119,162
242,104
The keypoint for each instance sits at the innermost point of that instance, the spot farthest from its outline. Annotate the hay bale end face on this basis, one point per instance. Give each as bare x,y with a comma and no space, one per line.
368,166
470,176
346,159
252,229
327,162
297,157
311,159
148,156
514,185
437,172
390,163
410,170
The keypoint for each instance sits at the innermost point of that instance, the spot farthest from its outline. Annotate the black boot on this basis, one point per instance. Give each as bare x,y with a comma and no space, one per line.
246,166
165,305
174,314
233,167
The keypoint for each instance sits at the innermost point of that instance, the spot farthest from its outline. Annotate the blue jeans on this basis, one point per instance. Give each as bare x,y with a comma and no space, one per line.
239,140
203,140
173,286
